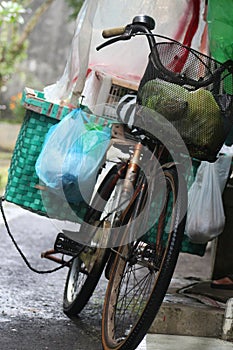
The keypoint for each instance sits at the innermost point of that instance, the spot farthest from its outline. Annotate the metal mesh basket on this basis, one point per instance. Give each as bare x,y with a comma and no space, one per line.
202,116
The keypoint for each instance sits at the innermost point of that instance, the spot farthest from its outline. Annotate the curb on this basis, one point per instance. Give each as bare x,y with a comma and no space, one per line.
228,321
185,316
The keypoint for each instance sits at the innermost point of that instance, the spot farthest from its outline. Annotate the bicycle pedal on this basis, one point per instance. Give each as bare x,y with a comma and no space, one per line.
67,246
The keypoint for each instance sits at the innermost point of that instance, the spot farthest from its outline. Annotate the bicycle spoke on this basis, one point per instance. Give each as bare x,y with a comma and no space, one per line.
133,291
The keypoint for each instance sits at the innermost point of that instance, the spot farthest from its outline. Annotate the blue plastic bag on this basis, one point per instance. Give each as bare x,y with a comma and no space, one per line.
71,157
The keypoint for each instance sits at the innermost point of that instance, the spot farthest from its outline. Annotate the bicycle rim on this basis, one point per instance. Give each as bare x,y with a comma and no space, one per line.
141,275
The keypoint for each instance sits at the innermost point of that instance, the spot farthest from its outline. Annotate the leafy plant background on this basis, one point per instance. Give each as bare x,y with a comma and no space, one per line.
18,19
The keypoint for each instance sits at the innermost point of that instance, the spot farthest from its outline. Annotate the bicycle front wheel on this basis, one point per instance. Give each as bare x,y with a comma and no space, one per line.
142,272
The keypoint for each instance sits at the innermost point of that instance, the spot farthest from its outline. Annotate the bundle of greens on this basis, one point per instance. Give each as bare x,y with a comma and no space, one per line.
195,114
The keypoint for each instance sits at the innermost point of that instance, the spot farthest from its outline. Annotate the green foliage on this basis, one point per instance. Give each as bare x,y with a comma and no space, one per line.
11,21
10,12
75,5
14,31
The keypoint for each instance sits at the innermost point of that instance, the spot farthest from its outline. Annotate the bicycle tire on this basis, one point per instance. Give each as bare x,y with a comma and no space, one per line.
85,270
131,304
82,279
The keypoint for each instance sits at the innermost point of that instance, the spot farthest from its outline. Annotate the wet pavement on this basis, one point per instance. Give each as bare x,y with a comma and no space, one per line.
31,316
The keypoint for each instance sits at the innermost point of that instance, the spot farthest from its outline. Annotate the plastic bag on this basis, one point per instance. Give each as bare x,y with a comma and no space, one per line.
205,216
71,156
180,19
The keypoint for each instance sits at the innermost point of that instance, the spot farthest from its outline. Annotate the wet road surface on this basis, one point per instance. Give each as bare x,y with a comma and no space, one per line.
31,316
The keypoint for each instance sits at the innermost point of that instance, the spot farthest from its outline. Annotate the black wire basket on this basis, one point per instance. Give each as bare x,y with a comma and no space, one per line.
201,112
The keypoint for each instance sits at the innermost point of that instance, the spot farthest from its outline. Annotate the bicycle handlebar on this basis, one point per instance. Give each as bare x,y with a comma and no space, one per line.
109,33
142,25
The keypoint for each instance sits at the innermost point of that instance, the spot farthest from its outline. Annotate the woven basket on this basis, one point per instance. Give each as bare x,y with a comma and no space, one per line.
23,186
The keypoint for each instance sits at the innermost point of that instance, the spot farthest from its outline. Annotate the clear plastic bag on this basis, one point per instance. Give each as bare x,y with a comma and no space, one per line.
71,157
175,19
205,216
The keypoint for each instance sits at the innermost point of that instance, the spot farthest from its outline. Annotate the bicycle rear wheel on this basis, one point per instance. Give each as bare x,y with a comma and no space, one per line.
142,272
83,276
86,269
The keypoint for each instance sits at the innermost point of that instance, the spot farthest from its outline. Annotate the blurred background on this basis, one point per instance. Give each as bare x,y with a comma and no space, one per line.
35,38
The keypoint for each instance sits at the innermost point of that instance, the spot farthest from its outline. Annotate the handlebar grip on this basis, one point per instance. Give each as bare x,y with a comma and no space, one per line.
108,33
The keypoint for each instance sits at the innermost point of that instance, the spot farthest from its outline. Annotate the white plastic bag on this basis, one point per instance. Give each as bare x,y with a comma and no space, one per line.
205,216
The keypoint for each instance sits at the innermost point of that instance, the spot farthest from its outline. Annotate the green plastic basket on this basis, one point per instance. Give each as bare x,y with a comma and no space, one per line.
23,186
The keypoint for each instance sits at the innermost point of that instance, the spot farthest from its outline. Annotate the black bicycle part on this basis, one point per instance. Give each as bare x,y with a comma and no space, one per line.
105,190
67,246
148,21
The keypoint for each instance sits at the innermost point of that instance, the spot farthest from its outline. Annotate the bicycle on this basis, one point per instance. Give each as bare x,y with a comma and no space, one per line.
139,257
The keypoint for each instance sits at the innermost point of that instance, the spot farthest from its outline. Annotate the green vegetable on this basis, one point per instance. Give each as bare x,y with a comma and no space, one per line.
168,99
196,115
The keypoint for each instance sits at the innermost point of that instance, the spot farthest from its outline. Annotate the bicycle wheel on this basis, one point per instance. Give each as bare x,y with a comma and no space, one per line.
142,272
86,269
83,276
